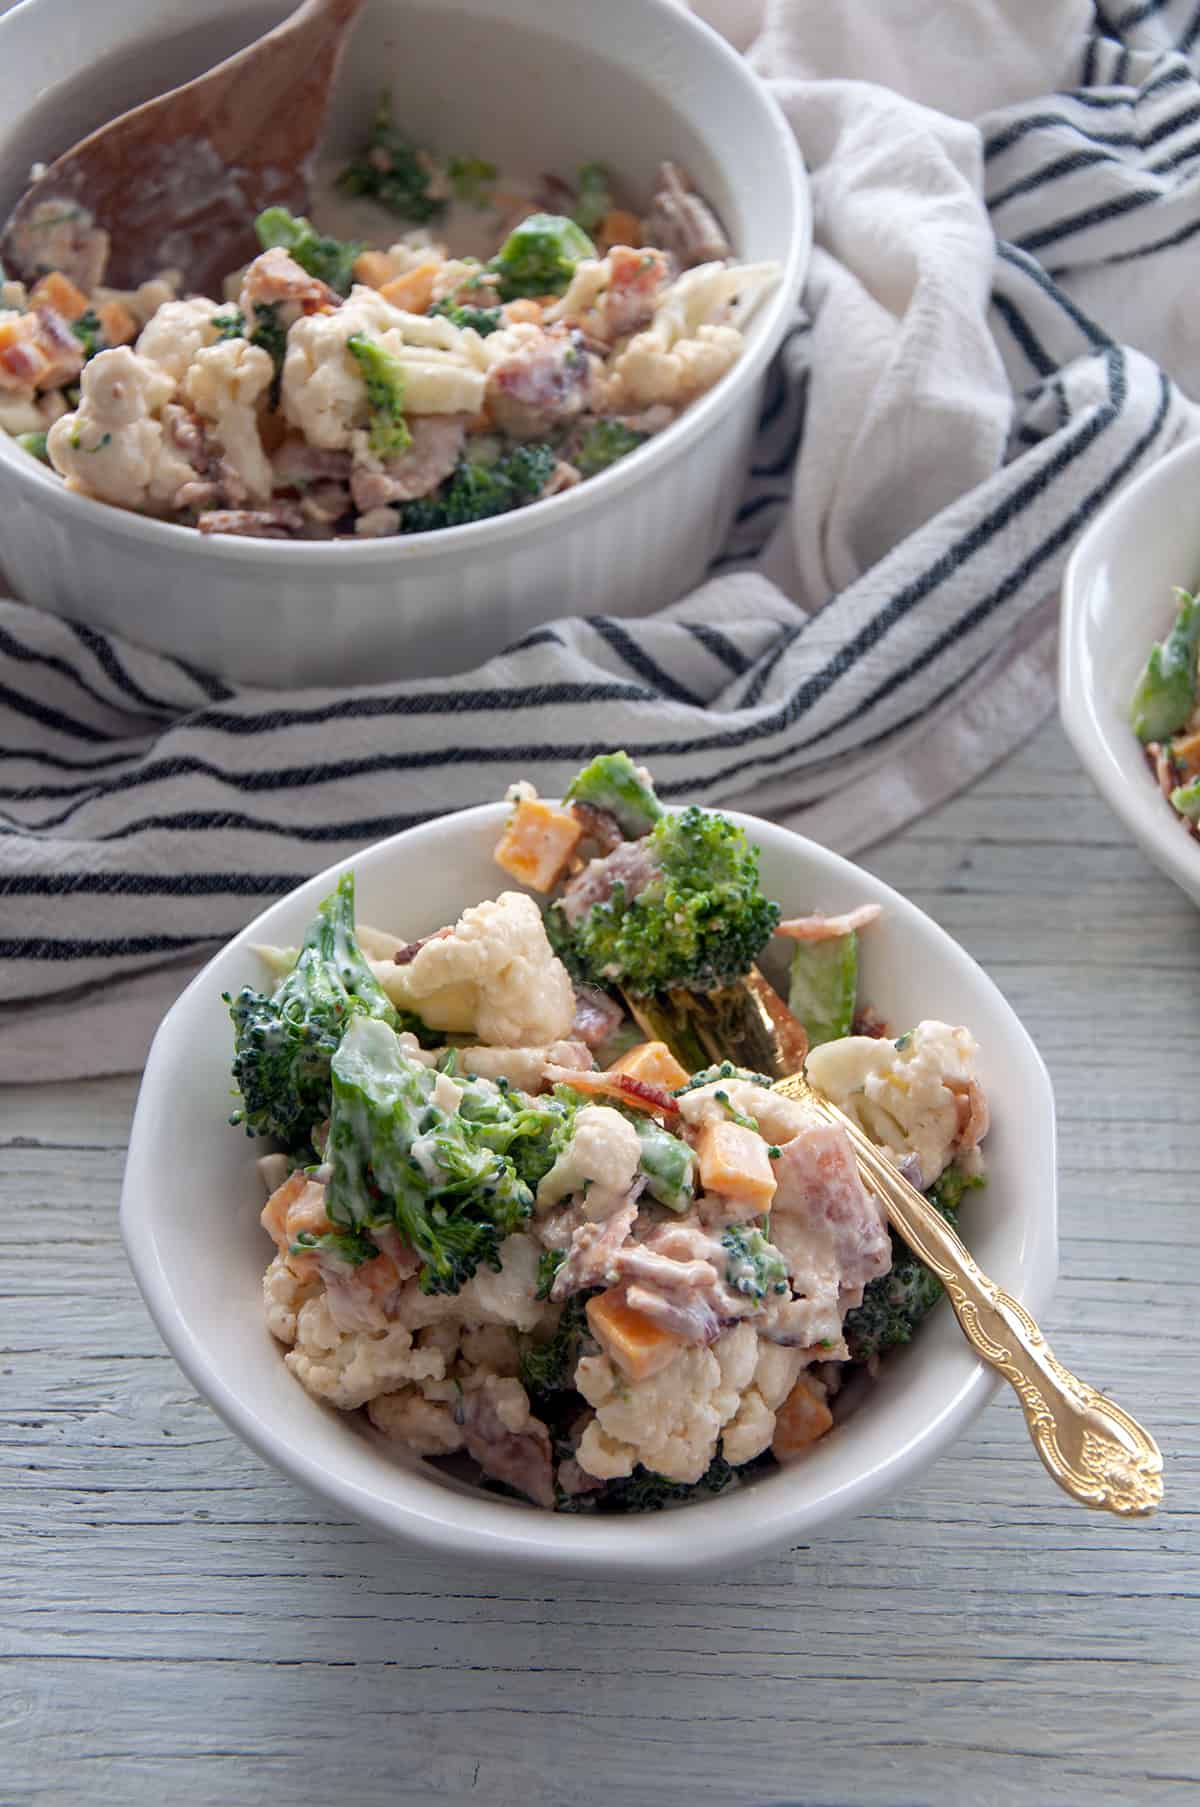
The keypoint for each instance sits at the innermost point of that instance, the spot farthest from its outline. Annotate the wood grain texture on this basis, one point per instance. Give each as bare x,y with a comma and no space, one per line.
177,1623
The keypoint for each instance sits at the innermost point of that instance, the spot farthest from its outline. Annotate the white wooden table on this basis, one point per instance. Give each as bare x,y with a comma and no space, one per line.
178,1625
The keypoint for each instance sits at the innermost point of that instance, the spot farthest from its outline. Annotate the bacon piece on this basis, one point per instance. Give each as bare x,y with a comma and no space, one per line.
684,223
521,1458
630,865
971,1108
596,1015
638,1093
589,1260
598,825
827,928
634,281
274,276
541,382
282,522
436,443
408,953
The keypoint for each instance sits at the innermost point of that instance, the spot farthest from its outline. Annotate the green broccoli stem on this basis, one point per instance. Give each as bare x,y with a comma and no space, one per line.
1166,690
614,784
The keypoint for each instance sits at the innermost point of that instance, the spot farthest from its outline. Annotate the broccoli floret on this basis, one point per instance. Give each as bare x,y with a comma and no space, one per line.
698,923
1186,799
392,171
539,256
483,320
1166,691
613,783
549,1262
34,444
89,332
352,1246
593,196
753,1266
603,443
550,1367
284,1043
331,260
388,434
231,325
271,335
647,1492
896,1303
531,1132
472,179
475,491
398,1158
668,1163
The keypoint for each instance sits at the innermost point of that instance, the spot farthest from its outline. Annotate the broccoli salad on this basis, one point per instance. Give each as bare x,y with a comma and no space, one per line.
1166,712
533,1207
340,388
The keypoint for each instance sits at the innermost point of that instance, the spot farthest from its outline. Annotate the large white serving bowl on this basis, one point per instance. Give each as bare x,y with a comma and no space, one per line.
192,1197
1118,598
535,87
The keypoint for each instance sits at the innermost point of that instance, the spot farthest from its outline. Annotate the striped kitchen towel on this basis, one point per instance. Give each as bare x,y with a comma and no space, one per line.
998,330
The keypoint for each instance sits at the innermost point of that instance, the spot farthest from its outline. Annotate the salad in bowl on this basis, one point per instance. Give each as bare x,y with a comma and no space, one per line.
537,1213
501,341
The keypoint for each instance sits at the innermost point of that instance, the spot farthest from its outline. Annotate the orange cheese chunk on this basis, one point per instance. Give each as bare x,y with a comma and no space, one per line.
800,1420
652,1061
57,291
1186,754
537,843
117,324
734,1162
525,311
619,227
374,268
414,290
631,1342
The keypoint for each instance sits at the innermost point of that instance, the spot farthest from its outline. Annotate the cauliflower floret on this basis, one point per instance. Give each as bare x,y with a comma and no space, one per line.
20,413
778,1118
494,976
172,337
752,1426
112,446
916,1096
694,337
348,1368
505,1297
601,1159
670,1421
224,383
324,392
426,1426
493,1347
284,1292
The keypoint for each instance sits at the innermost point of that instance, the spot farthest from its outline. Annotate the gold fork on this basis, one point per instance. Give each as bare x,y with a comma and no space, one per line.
1096,1452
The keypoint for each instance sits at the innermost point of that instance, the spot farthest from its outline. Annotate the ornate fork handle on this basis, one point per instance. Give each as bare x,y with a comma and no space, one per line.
1094,1450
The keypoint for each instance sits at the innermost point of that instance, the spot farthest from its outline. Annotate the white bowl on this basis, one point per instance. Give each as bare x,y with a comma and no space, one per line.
192,1197
535,87
1118,597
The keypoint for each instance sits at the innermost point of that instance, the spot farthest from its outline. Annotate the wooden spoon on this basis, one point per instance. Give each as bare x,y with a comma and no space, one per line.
176,183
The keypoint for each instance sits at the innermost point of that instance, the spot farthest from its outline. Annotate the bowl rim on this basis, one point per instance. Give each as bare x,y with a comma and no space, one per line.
533,1540
1143,809
767,327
